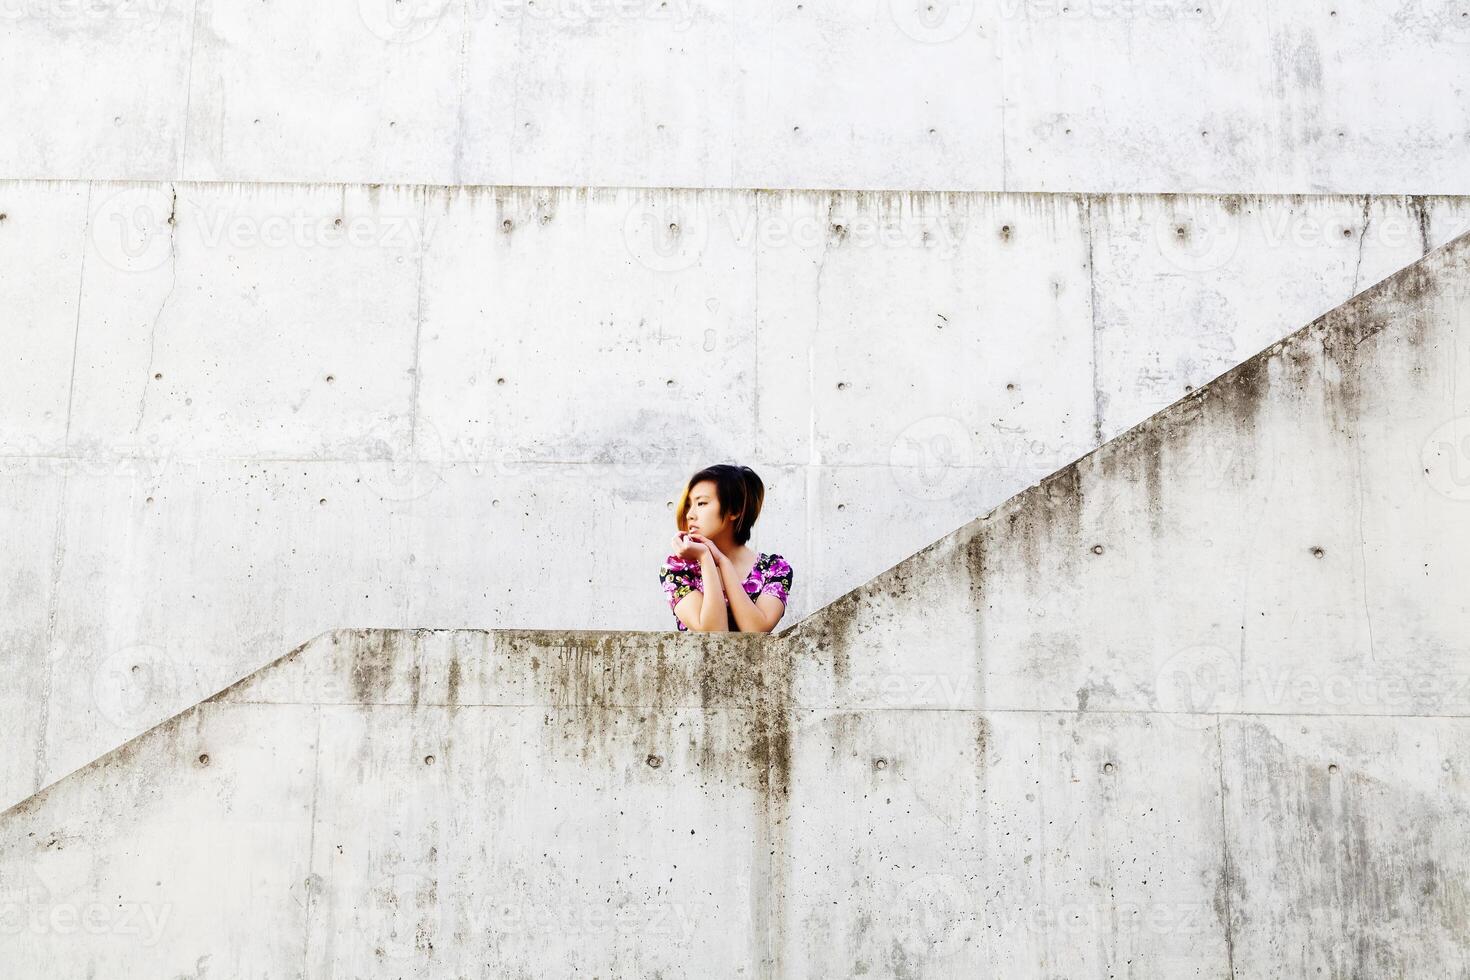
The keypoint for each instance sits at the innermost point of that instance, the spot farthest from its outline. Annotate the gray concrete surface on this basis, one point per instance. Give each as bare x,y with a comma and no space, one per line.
204,422
1194,705
1212,96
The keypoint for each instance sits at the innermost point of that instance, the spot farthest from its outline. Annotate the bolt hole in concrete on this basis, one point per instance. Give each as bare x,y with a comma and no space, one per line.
1097,549
880,763
204,759
506,225
1318,552
1332,767
428,760
1107,767
654,761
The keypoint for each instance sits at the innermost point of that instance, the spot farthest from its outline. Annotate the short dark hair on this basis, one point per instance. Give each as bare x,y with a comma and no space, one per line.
739,491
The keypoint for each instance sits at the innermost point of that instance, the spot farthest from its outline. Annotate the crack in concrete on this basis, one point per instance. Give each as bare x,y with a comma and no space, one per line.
173,258
71,385
418,327
1097,398
1227,871
1362,240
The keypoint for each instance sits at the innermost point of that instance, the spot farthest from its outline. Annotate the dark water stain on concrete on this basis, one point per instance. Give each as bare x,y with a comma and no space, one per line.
455,680
829,635
1238,396
1418,206
1039,527
1385,331
373,654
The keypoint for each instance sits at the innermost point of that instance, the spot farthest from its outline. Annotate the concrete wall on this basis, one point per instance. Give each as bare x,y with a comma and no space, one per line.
235,423
1216,96
1194,705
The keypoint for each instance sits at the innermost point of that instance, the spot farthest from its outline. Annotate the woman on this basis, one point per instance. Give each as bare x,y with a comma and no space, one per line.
715,513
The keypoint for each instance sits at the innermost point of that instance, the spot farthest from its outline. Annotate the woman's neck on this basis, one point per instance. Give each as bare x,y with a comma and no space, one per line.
738,553
742,556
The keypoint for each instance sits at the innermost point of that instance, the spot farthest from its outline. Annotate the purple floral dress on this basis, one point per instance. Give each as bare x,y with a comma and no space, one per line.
770,575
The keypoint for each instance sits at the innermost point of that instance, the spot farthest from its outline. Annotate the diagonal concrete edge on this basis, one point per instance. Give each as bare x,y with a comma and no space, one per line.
125,750
1337,334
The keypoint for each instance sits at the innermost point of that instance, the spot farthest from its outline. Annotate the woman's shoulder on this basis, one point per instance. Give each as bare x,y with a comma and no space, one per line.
774,563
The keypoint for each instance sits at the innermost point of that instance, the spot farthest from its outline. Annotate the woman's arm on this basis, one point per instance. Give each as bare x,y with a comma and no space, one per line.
750,617
713,617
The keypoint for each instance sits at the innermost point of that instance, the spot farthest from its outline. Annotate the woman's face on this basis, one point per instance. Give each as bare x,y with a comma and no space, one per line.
703,515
